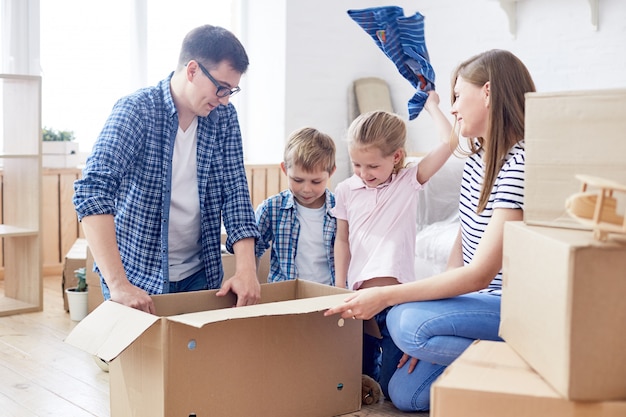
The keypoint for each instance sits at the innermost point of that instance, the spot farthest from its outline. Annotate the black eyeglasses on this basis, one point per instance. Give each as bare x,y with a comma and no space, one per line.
222,91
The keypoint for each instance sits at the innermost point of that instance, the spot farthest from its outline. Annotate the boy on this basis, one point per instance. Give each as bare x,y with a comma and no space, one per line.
297,222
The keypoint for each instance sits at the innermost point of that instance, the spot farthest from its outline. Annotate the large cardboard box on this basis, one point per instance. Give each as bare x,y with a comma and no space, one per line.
563,308
200,355
490,380
94,295
75,258
569,133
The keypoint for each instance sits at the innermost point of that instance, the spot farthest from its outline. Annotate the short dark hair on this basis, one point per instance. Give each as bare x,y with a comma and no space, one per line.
212,45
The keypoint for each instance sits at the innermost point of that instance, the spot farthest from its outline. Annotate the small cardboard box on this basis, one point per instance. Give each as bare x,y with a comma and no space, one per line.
569,133
74,259
563,308
94,295
263,270
490,380
57,154
200,355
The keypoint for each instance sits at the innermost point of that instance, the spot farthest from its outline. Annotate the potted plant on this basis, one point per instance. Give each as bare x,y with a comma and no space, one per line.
59,148
77,296
52,135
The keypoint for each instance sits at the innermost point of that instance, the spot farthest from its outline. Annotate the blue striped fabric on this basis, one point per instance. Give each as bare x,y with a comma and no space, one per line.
402,40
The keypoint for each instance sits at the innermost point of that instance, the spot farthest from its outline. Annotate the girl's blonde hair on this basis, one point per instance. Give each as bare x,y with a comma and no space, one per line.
382,130
509,80
310,149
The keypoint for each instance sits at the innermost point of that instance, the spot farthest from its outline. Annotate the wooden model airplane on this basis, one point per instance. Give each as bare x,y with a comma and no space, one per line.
597,209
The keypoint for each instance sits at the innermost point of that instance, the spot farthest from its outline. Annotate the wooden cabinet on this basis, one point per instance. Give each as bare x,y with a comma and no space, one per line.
20,157
60,227
264,180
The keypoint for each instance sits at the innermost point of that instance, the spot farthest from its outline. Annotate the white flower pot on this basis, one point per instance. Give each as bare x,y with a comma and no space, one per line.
77,302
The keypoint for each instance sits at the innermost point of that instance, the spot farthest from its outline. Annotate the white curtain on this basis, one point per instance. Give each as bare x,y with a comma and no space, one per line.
19,26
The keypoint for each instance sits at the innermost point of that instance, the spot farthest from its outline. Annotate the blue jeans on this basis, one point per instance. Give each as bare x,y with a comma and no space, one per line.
195,282
380,356
436,333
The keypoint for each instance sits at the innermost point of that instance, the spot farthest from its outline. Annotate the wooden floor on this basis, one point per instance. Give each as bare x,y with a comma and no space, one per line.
40,375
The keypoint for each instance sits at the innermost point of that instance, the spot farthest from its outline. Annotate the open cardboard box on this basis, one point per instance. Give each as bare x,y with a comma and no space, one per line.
199,355
563,308
491,380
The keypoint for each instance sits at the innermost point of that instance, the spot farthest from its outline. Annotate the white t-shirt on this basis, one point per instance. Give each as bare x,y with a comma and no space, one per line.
184,223
311,261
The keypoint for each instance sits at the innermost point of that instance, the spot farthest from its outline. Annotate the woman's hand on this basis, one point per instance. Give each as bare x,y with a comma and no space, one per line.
432,102
404,360
363,304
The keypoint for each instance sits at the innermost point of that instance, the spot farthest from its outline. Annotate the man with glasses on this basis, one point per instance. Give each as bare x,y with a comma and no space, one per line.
164,174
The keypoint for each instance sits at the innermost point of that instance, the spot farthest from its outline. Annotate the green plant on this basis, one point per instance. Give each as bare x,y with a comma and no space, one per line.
52,135
81,276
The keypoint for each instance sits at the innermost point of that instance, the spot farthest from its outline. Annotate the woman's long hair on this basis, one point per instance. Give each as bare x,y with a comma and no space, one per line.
509,80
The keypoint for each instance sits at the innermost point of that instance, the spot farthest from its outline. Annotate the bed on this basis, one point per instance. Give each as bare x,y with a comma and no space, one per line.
437,218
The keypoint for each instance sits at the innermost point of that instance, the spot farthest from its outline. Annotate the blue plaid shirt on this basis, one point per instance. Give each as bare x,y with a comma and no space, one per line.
128,175
279,226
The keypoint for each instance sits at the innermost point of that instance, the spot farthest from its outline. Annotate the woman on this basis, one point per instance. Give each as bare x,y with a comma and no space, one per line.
435,319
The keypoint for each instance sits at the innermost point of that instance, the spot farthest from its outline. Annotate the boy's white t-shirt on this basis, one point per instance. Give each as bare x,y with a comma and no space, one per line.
184,223
311,261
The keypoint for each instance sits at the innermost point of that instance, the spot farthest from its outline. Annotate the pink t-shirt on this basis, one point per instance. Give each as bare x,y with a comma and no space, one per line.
382,226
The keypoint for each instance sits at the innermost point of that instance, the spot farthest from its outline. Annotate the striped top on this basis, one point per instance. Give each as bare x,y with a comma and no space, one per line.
507,192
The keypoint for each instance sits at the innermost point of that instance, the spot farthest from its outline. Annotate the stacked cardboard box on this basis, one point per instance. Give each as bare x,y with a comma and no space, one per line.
562,303
491,380
569,133
563,308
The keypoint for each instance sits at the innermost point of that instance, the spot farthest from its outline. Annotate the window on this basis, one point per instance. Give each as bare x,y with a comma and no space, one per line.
93,53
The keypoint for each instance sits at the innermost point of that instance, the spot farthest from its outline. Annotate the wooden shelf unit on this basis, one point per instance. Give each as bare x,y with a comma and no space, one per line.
20,158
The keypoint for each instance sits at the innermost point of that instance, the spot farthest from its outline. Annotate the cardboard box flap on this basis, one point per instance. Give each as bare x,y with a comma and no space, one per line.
489,379
190,302
110,329
490,367
278,308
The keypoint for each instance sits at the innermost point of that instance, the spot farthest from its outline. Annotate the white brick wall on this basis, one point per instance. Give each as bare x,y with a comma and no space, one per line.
310,51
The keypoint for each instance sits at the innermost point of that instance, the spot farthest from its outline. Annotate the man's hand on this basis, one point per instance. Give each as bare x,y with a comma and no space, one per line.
132,296
245,286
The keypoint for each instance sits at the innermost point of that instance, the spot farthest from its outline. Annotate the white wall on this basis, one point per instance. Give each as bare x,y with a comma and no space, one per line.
260,105
324,51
